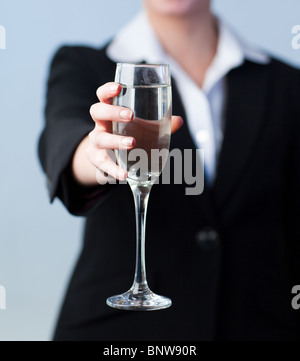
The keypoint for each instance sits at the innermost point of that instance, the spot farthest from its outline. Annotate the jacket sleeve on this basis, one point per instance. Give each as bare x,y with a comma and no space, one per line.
293,187
71,91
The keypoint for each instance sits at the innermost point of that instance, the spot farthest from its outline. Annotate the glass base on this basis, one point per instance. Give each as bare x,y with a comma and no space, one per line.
146,301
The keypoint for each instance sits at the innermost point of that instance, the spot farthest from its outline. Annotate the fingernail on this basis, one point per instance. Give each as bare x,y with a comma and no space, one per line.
128,142
126,114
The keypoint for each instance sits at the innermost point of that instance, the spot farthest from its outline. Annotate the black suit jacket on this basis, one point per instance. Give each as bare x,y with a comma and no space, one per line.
228,258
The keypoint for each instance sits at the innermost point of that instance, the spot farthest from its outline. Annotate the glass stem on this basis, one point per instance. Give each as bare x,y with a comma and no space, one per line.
141,196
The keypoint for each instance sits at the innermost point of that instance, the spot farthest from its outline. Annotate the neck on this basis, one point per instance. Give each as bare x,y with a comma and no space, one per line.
191,40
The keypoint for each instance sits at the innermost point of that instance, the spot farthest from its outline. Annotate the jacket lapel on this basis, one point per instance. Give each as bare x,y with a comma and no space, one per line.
246,99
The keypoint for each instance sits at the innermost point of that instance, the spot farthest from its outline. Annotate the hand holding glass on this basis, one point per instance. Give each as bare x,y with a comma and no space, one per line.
146,90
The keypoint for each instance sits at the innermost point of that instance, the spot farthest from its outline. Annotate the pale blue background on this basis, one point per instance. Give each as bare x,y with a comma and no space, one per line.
38,242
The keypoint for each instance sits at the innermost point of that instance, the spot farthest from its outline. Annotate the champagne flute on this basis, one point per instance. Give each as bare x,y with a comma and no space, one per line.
146,89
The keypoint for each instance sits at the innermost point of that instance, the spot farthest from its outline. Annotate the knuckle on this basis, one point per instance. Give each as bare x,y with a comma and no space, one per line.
93,110
98,92
106,158
102,158
102,90
97,139
92,137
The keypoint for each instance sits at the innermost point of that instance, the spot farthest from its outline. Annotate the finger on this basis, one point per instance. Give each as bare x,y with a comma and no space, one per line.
104,178
108,91
105,112
105,161
104,140
176,123
107,165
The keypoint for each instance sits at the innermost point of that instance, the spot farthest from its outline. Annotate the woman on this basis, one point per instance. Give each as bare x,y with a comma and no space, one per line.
228,258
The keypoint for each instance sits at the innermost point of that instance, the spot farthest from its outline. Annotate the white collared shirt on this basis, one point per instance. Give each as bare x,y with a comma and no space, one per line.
137,42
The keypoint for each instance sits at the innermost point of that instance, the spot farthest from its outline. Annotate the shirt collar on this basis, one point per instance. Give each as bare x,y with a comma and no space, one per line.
137,42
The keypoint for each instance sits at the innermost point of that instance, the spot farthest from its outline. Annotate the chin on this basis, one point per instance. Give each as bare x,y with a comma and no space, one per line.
177,7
